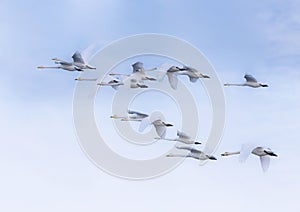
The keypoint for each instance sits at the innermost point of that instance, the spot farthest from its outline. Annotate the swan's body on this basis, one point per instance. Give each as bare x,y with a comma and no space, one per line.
263,154
183,138
250,82
193,153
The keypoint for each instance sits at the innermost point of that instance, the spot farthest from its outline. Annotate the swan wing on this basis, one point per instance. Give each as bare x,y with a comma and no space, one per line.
182,135
193,79
77,58
249,78
173,80
264,162
245,151
161,130
144,124
132,112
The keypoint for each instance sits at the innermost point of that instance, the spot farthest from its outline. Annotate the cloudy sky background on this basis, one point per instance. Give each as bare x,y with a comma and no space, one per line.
42,164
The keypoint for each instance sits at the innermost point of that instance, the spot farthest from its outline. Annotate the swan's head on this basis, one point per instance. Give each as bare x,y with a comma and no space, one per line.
41,67
114,116
124,119
197,142
55,58
225,154
211,157
264,85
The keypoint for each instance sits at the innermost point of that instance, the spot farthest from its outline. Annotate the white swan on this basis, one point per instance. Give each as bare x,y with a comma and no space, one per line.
131,116
192,73
160,126
193,153
138,73
183,138
114,83
250,81
63,65
263,153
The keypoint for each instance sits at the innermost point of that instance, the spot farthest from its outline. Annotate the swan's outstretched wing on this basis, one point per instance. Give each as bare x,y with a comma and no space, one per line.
182,135
132,112
144,124
246,150
193,79
249,78
161,130
264,162
173,80
77,58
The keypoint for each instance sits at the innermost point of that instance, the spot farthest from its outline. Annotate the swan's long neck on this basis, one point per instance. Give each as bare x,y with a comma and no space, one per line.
48,67
234,84
176,155
169,139
231,153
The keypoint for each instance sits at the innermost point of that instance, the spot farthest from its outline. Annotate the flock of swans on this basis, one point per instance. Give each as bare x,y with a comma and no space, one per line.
137,79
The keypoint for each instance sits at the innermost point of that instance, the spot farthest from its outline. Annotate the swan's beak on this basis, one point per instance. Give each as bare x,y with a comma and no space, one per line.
224,154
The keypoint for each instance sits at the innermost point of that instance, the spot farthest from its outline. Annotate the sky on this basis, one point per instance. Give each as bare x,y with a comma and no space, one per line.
42,164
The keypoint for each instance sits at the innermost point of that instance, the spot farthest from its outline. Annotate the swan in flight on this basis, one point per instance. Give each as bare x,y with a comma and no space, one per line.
193,153
160,126
262,152
138,72
192,73
132,116
114,83
250,81
78,64
182,137
63,65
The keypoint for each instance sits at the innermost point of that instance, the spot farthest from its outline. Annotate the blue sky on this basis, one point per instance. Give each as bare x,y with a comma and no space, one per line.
43,167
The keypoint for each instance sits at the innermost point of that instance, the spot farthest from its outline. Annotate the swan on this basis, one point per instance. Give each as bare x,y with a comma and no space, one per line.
262,152
192,73
132,116
63,65
138,73
160,126
193,153
250,81
114,83
182,137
